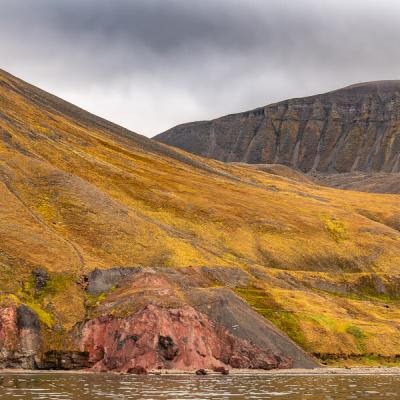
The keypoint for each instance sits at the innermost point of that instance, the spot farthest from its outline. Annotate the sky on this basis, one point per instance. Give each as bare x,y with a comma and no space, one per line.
149,65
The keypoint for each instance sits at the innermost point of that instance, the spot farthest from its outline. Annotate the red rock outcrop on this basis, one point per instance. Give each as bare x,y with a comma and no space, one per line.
19,337
180,338
8,329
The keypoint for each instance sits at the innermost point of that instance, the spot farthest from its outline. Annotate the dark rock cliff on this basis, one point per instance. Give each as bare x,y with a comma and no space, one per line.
352,129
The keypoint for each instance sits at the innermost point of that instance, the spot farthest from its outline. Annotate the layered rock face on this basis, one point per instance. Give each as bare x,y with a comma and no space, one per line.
19,337
159,338
353,129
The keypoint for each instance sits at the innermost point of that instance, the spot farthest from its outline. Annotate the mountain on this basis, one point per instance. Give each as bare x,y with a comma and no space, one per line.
121,253
355,129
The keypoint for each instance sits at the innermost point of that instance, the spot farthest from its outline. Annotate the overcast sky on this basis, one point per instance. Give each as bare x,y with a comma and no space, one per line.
151,64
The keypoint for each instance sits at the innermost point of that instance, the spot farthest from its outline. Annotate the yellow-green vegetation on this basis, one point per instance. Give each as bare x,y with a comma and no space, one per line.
367,360
335,228
337,328
78,193
59,302
95,300
27,296
264,304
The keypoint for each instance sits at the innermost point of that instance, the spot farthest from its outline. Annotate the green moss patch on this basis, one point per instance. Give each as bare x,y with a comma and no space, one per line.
268,308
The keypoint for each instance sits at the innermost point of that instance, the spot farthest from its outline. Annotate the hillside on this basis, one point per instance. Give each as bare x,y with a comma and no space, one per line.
103,232
355,129
374,182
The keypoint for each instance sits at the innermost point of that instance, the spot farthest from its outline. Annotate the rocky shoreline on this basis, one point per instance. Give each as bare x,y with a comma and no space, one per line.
384,371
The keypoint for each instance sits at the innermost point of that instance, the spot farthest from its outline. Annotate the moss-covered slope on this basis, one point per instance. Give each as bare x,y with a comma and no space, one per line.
79,193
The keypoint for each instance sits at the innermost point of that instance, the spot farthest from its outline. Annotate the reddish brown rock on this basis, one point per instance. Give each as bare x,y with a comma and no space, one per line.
64,360
157,337
138,370
8,329
222,370
201,371
19,337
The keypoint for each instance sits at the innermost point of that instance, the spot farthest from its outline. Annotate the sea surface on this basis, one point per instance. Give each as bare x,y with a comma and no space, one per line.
174,387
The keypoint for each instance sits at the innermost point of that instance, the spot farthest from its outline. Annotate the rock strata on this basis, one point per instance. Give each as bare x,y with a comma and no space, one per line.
352,129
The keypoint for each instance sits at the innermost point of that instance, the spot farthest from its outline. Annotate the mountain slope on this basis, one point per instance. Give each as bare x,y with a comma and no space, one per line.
347,130
374,182
85,203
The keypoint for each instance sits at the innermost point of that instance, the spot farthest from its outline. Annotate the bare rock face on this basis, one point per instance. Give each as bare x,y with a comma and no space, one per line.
227,310
353,129
19,337
99,281
64,360
181,338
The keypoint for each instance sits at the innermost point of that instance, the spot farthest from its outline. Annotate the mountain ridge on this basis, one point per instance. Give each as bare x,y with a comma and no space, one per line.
353,129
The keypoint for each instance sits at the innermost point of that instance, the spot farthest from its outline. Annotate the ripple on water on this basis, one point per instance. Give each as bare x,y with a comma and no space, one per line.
46,386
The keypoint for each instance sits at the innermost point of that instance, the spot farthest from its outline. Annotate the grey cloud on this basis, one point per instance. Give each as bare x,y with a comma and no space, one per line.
150,64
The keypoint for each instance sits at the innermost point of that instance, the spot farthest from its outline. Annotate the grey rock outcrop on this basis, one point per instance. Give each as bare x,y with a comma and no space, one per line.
103,280
352,129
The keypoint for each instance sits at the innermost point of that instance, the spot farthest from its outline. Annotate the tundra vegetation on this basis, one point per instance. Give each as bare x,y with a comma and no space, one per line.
79,193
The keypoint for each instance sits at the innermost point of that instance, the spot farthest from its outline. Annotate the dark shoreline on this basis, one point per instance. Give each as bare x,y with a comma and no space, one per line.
392,371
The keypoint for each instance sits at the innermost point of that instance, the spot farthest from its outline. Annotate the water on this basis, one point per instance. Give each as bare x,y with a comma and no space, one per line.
107,386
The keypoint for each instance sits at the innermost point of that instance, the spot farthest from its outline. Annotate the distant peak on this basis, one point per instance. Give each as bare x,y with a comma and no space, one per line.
381,86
